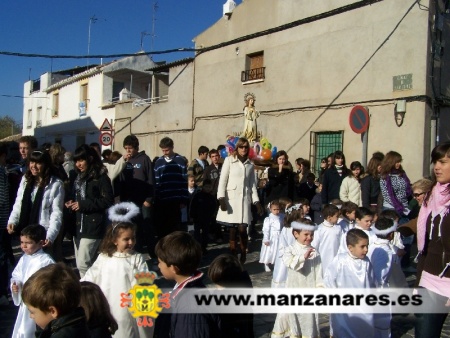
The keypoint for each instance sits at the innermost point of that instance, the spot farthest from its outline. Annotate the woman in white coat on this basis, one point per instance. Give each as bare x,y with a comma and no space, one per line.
39,200
236,193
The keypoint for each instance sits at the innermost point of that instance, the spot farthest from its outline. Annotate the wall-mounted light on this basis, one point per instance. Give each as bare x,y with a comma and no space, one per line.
399,112
237,50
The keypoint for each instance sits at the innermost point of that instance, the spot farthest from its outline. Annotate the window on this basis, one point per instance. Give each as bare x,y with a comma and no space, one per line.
39,117
323,144
29,119
116,89
84,96
255,70
55,110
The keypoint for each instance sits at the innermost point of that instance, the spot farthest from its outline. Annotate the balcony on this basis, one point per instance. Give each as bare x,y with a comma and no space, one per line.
253,75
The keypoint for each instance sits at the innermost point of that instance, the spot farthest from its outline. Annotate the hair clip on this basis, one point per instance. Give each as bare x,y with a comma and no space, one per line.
293,207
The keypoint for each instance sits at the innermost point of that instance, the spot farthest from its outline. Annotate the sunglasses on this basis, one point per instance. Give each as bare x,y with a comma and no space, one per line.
243,147
418,194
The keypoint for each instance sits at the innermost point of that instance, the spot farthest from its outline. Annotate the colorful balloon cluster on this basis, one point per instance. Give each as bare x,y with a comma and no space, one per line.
262,150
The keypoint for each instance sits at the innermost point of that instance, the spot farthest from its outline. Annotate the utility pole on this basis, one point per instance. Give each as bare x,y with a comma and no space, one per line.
92,20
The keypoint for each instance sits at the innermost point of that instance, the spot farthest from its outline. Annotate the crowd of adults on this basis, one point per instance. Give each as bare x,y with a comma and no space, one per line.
69,194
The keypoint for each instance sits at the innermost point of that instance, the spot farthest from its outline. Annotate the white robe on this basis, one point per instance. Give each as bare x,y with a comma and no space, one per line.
381,256
326,241
271,233
301,274
353,273
115,275
280,270
25,327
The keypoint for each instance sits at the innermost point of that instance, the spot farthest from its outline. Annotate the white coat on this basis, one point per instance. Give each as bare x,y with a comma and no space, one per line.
50,216
237,185
350,191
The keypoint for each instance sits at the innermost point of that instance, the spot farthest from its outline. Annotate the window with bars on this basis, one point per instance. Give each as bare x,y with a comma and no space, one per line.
322,144
255,70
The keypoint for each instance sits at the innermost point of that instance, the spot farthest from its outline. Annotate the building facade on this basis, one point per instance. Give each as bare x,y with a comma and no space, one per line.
308,63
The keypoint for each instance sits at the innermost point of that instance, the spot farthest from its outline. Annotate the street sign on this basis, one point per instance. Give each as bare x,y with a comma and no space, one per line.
359,119
106,126
106,138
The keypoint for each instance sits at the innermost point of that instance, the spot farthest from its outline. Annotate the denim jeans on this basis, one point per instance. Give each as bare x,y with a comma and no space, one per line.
429,325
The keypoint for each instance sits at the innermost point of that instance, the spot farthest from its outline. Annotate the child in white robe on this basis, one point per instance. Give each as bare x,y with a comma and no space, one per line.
293,213
351,270
328,236
32,239
115,268
304,271
271,234
348,214
364,218
381,256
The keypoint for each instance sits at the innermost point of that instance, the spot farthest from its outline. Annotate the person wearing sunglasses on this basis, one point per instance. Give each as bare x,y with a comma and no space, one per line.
236,193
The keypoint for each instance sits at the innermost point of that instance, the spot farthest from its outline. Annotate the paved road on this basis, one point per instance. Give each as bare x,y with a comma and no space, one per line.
402,326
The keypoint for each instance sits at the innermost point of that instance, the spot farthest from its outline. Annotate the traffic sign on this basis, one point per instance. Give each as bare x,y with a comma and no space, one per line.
359,119
106,125
106,138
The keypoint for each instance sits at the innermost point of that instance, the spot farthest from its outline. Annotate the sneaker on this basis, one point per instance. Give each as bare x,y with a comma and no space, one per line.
4,301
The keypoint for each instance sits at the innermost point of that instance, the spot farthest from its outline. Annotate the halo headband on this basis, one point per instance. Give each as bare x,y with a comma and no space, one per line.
303,226
123,212
385,231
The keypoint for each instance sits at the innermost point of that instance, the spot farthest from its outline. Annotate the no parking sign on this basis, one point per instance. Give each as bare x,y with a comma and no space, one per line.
359,119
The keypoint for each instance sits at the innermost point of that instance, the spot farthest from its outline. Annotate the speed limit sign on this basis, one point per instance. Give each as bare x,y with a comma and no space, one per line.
106,138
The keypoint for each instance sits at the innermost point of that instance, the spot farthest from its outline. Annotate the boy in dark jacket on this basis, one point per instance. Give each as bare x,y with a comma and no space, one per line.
52,295
179,256
203,212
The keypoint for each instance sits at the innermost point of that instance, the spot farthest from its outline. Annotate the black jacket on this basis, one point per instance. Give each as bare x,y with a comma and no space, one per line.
72,325
99,197
182,325
370,189
332,184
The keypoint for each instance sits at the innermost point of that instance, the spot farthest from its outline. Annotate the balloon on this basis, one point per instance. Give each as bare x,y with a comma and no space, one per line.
257,148
230,149
230,142
269,146
264,143
223,153
274,151
251,153
266,154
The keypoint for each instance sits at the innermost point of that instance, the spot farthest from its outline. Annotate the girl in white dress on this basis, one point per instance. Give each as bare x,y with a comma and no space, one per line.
304,271
271,234
115,268
293,213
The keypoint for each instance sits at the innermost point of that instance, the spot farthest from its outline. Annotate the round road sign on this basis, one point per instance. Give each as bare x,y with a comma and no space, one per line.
359,119
106,138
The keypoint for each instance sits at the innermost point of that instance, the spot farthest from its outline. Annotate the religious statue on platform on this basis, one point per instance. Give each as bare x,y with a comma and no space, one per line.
250,115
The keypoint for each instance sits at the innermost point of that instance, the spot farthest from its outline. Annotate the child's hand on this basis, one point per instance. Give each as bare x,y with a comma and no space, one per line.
15,288
10,228
267,243
309,253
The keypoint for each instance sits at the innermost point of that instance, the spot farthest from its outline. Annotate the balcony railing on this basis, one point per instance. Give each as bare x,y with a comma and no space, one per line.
150,101
253,74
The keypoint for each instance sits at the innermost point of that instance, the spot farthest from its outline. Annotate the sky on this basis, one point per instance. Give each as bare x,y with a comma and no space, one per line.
61,27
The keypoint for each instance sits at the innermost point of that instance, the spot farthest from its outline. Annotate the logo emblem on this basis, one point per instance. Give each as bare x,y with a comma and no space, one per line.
145,300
